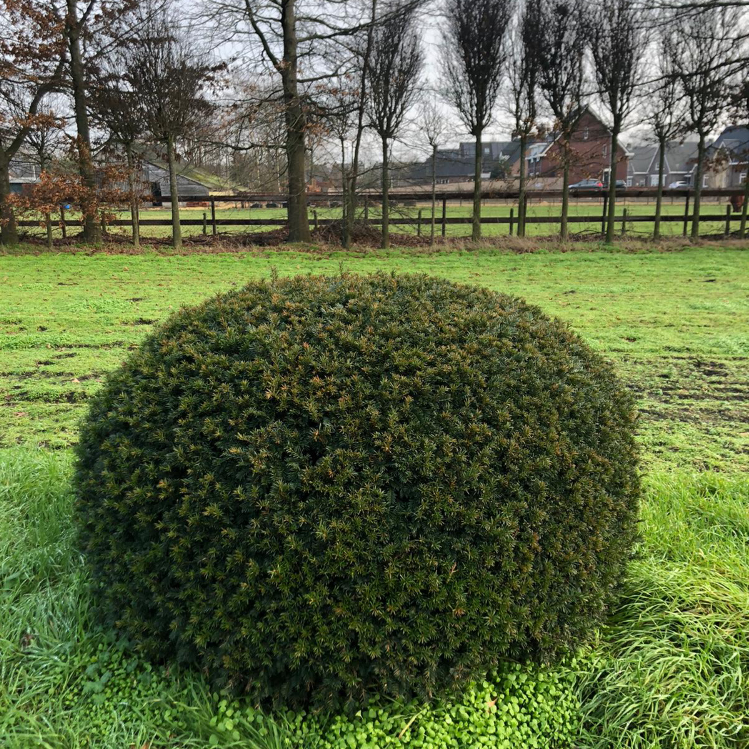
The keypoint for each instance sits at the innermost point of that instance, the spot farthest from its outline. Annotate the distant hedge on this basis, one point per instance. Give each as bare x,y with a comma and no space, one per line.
319,489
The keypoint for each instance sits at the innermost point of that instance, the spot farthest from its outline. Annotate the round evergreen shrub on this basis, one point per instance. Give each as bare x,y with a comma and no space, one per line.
320,489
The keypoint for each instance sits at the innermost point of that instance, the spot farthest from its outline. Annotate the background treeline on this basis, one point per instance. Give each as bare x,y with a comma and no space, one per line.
260,91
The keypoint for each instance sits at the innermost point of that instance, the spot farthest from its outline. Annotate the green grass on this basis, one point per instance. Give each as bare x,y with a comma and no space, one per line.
668,672
671,669
676,324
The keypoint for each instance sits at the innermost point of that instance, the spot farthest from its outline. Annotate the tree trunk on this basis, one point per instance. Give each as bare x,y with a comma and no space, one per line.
47,215
698,187
134,197
174,194
295,129
385,198
8,229
91,227
434,195
742,226
565,189
351,208
476,230
612,185
659,194
344,194
521,186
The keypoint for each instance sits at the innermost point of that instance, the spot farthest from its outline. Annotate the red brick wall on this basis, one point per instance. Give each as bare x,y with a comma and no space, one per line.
589,146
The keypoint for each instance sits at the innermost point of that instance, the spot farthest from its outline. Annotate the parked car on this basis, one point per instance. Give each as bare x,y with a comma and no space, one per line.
256,205
678,186
587,184
621,184
271,204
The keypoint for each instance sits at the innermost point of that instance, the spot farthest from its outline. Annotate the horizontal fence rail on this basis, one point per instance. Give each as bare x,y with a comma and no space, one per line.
403,221
422,200
426,196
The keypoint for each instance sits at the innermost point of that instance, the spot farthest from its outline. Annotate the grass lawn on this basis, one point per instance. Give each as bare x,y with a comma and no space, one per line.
670,670
677,325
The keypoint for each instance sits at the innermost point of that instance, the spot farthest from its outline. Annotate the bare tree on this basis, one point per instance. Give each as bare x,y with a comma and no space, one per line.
663,110
170,75
473,57
433,124
702,42
560,47
117,106
523,72
393,79
616,31
340,100
90,30
45,141
740,107
30,68
363,43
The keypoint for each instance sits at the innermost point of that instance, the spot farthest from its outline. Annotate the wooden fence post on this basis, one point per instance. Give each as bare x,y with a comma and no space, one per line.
103,222
205,223
213,215
512,217
62,222
366,209
317,223
686,216
444,215
418,226
604,215
727,230
624,221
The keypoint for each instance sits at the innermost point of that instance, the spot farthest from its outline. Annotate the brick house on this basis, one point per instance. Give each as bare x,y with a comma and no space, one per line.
590,146
728,158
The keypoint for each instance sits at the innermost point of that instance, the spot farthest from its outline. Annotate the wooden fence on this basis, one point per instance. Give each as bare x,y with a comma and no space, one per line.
210,222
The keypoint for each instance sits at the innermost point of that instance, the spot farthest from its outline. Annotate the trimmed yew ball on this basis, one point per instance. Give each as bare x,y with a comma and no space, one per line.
325,488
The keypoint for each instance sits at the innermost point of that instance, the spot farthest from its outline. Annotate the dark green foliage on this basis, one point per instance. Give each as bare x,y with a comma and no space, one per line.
320,489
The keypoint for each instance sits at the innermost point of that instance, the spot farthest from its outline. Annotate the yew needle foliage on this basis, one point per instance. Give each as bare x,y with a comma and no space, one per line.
323,489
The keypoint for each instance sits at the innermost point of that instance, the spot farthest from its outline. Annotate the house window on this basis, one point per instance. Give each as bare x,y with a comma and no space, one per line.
654,180
629,181
742,178
586,134
605,150
704,181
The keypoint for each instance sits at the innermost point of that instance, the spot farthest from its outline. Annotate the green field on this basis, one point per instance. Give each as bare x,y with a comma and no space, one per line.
712,225
676,324
670,670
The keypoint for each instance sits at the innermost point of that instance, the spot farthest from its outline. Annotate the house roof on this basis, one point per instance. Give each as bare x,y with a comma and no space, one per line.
641,158
499,150
735,141
23,172
184,171
543,145
680,157
449,164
